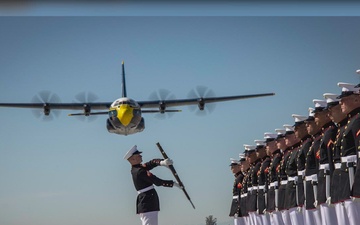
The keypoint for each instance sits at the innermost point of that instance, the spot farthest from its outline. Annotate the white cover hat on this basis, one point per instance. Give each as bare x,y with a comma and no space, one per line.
132,152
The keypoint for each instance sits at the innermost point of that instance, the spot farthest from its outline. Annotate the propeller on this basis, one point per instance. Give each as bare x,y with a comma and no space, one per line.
162,95
87,98
46,97
201,92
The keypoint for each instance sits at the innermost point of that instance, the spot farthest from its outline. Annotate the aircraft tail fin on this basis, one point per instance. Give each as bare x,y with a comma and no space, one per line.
123,86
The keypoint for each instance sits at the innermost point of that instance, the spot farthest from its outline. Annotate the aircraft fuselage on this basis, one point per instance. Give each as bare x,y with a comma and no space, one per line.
125,117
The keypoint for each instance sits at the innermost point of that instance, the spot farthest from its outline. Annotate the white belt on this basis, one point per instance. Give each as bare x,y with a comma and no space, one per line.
252,188
262,187
311,177
243,195
349,159
324,166
292,179
337,165
283,182
236,197
145,189
273,184
301,173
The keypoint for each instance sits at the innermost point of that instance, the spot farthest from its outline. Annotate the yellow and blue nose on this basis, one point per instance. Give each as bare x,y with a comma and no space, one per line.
125,114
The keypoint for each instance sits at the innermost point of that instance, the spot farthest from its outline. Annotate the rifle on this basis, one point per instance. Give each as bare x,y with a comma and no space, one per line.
171,167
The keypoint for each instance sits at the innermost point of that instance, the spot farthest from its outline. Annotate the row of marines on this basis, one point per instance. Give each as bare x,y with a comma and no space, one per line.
307,173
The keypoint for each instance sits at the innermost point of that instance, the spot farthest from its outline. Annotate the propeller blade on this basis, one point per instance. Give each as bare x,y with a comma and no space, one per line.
162,95
202,92
87,98
47,98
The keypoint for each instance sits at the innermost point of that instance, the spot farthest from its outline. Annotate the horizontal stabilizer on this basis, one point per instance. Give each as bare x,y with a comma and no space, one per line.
158,111
92,113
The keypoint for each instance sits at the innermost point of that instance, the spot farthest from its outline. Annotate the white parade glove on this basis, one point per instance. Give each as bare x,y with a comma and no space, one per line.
176,184
316,204
328,201
166,162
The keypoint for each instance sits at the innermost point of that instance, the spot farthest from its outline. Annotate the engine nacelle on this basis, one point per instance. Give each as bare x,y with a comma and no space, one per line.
46,109
87,109
162,107
201,104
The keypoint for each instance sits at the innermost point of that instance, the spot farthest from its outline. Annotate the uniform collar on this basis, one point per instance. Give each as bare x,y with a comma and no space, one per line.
238,173
296,145
305,138
354,113
342,122
276,152
327,126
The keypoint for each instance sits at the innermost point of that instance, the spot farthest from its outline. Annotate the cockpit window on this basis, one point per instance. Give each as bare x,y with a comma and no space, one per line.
130,102
117,103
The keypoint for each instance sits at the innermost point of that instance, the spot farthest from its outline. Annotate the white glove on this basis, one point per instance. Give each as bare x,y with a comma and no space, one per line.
166,162
328,201
316,204
176,184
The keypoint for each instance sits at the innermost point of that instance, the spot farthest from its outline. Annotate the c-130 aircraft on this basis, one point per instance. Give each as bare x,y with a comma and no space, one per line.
125,114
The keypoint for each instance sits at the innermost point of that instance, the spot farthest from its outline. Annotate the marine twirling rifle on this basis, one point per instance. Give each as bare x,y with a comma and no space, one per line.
171,167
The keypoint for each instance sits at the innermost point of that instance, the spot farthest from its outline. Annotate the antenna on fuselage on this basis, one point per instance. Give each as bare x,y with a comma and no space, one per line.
123,85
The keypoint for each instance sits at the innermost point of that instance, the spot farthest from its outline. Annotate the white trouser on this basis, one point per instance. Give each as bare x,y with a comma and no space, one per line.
239,221
328,214
312,217
352,212
255,218
149,218
247,220
296,217
286,217
265,218
341,216
276,219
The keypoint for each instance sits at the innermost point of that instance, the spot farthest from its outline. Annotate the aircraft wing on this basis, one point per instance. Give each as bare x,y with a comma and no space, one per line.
66,106
143,104
195,101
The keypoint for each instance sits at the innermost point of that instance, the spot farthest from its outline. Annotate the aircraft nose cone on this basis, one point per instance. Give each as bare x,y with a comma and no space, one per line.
125,114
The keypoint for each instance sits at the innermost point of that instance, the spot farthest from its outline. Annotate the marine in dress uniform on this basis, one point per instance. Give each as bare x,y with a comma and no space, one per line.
326,166
262,180
305,143
147,202
356,186
252,184
312,214
245,166
336,185
349,102
235,204
290,203
280,141
273,183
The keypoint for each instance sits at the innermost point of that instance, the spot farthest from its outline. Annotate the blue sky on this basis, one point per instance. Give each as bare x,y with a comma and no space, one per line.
67,171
